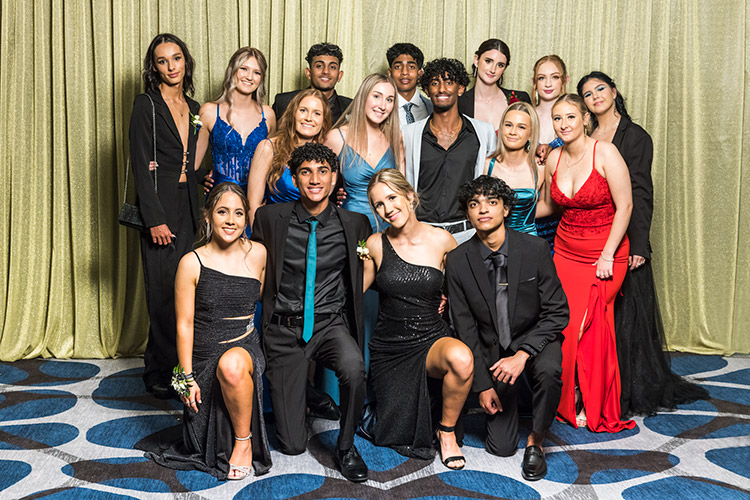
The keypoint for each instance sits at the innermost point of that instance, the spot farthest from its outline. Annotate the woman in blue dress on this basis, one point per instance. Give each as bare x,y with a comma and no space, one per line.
238,121
306,119
367,138
514,162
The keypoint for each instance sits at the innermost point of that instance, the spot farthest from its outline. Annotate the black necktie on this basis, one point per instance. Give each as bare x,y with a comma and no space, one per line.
500,262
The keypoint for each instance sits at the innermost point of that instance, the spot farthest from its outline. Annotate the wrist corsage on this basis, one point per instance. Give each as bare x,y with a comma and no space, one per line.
195,121
512,97
362,251
181,381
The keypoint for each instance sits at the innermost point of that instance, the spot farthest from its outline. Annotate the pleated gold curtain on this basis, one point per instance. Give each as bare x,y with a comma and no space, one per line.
70,277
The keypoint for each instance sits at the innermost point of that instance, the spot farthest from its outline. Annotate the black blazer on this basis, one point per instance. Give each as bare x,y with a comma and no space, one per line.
466,100
271,227
537,307
637,150
337,102
161,207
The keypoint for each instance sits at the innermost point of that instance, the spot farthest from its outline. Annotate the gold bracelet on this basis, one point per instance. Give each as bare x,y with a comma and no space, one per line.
606,259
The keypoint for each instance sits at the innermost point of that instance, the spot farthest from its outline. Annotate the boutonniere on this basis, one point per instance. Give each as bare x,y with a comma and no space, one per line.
512,97
362,251
195,121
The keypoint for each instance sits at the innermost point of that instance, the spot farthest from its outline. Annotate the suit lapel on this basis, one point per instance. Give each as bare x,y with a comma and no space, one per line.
515,255
280,233
480,275
163,110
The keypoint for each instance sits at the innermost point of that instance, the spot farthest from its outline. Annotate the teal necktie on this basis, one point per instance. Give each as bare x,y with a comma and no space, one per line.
312,258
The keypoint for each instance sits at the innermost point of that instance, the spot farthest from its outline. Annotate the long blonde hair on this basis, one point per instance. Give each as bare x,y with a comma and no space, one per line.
555,59
286,134
395,180
355,117
237,60
523,107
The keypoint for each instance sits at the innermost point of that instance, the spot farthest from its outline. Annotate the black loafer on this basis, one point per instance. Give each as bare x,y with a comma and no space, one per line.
322,405
534,465
352,466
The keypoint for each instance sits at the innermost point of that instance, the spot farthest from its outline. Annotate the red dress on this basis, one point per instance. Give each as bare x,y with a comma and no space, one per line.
581,236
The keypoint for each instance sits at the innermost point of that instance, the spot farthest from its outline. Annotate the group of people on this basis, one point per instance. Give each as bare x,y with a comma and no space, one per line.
435,201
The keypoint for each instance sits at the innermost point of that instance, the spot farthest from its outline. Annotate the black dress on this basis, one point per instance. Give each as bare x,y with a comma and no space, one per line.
408,325
647,381
208,437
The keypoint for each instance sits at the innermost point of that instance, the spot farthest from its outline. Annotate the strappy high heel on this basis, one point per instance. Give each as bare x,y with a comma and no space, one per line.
242,470
446,461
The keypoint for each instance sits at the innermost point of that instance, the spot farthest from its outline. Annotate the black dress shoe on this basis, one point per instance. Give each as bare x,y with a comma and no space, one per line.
534,465
322,405
160,391
352,466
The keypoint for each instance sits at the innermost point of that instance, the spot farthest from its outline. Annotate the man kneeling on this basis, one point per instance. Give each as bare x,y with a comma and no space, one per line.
508,306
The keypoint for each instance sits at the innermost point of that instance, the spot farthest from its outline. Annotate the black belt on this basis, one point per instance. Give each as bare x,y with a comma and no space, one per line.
298,320
457,227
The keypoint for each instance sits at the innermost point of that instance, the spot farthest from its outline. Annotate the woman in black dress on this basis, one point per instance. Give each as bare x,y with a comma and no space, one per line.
647,381
166,194
412,341
487,100
221,360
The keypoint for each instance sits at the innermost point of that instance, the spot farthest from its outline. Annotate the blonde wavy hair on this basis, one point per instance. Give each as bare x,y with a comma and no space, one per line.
237,60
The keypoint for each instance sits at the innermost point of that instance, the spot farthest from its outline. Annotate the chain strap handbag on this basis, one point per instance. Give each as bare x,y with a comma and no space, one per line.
130,214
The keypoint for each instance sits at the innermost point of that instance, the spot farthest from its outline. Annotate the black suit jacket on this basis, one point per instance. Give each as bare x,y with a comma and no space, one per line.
466,100
637,150
271,227
537,307
338,104
161,207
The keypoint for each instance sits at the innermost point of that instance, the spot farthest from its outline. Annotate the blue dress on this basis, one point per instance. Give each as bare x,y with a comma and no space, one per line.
357,173
285,190
231,157
523,214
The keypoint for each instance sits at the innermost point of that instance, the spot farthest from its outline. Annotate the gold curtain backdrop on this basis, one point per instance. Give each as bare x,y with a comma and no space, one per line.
69,70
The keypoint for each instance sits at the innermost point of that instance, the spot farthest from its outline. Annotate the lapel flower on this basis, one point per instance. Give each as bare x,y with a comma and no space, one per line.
362,251
196,122
512,97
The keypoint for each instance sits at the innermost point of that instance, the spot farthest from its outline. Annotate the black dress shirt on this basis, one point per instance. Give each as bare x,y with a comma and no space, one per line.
442,172
330,289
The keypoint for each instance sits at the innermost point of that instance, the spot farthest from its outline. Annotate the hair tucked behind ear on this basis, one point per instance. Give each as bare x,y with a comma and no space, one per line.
205,230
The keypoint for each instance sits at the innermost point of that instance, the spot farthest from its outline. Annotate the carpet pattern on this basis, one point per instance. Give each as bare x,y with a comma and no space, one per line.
68,429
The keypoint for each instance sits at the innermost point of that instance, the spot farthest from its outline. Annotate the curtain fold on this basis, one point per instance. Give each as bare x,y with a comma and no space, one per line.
70,278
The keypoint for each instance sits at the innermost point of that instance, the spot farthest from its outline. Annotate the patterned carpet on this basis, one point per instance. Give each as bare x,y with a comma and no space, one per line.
68,429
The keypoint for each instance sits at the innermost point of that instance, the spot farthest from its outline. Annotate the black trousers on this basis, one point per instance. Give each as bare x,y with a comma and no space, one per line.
545,370
159,270
287,361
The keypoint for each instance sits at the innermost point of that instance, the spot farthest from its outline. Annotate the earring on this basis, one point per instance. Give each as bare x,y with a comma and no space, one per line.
474,73
208,231
527,146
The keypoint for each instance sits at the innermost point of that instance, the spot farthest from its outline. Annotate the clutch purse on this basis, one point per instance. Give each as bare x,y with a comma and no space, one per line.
130,214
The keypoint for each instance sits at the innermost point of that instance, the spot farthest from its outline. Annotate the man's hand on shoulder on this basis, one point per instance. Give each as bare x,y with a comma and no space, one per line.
507,370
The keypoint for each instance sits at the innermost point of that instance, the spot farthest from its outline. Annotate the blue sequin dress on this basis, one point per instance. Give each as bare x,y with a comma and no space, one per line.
523,215
230,155
357,173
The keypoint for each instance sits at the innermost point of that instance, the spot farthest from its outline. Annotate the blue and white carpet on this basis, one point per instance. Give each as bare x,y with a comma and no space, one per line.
68,429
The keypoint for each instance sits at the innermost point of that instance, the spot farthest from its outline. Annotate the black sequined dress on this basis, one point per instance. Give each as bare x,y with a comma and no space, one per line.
208,437
408,325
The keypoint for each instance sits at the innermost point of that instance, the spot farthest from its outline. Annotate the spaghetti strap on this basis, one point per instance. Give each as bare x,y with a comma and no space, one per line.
199,259
342,135
535,175
558,159
492,165
217,114
594,155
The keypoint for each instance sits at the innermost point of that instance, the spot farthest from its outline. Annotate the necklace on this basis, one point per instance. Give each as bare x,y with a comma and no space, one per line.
487,100
601,133
567,159
449,135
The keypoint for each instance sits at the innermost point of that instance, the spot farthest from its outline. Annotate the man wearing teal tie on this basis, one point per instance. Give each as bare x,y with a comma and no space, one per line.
312,302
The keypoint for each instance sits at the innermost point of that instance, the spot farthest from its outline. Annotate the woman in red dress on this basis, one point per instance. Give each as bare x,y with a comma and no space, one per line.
590,181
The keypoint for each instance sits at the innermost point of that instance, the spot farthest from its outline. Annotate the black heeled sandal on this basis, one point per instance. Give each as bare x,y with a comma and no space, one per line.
445,428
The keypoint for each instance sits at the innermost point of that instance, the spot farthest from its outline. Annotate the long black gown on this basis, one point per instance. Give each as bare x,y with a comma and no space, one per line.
208,437
408,325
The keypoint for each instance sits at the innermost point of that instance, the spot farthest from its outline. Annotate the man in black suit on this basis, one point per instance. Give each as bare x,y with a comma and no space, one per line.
508,306
312,255
324,72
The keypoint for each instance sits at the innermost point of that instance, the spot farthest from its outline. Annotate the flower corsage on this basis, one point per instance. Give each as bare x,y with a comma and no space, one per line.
512,97
362,251
195,121
181,382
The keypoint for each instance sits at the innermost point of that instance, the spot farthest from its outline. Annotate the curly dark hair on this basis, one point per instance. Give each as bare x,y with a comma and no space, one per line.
313,151
619,99
405,48
445,68
151,78
486,185
324,49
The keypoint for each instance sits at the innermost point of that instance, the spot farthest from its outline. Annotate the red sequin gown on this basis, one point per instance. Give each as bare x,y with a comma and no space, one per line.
581,236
